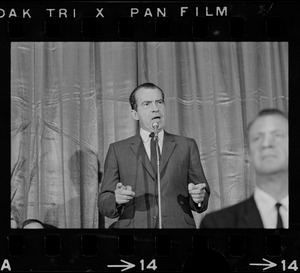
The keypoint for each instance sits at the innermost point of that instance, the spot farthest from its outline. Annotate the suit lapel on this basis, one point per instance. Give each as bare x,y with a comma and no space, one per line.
168,147
251,216
138,148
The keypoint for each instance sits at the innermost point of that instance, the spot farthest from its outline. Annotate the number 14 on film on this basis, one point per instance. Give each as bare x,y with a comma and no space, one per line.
151,265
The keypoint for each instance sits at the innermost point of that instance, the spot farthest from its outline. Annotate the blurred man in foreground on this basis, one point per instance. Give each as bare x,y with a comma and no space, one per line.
269,153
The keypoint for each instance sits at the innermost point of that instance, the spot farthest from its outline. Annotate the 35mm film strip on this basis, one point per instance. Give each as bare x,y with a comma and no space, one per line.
83,240
155,21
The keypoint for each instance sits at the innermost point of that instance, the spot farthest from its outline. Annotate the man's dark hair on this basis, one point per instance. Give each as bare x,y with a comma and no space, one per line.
29,221
267,112
132,97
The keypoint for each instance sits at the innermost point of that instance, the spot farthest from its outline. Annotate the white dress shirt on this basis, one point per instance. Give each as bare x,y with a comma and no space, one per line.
147,141
267,209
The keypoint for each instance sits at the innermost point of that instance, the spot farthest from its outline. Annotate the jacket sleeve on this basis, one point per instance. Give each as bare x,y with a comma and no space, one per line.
107,201
196,176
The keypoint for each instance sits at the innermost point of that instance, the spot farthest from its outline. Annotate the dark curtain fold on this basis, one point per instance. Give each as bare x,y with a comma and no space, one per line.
69,101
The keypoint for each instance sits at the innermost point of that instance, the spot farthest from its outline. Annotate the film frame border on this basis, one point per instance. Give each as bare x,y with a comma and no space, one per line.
233,245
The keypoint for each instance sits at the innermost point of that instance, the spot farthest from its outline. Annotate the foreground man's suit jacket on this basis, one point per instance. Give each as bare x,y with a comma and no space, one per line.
242,215
127,162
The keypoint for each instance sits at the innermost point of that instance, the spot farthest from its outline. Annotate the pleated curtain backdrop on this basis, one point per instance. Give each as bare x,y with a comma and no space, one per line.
69,101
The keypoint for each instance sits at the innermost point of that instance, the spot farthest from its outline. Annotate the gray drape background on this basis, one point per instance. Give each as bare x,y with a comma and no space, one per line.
69,101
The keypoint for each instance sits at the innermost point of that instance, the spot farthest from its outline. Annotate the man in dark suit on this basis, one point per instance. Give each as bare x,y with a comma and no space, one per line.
268,206
130,187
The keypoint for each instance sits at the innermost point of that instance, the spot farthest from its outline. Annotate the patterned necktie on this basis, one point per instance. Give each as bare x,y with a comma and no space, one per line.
279,219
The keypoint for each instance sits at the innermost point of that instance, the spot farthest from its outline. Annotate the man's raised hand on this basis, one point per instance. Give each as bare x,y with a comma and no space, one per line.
123,193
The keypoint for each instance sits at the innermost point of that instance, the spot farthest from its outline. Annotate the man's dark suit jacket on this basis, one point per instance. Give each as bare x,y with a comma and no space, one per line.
242,215
127,162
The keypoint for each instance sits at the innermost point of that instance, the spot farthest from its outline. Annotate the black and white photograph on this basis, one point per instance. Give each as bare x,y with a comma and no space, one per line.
149,135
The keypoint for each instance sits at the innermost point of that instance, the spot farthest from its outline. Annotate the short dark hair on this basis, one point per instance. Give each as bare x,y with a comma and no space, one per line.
132,97
29,221
267,112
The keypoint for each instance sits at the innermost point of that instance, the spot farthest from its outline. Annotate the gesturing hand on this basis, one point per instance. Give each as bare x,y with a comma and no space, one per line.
197,192
123,194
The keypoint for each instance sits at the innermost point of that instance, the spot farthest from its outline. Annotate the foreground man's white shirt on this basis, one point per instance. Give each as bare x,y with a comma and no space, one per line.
268,212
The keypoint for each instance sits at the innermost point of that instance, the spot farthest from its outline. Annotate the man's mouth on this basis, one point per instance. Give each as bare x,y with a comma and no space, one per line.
268,156
156,118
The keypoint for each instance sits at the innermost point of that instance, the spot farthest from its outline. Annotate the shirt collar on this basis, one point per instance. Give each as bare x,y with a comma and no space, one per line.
145,135
285,202
265,198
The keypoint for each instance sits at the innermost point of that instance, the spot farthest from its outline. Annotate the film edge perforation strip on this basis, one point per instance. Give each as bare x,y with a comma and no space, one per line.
273,250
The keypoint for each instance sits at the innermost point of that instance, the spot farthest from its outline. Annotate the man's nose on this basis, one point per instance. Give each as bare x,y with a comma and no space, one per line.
268,141
154,107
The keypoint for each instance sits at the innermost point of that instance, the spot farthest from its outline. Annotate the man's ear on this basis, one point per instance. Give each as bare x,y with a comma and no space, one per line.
134,114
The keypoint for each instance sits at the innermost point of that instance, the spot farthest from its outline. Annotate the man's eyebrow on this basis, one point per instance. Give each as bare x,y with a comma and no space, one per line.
145,101
272,131
279,131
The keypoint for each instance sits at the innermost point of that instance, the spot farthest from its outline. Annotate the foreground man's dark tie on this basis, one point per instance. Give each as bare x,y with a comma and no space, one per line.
279,219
